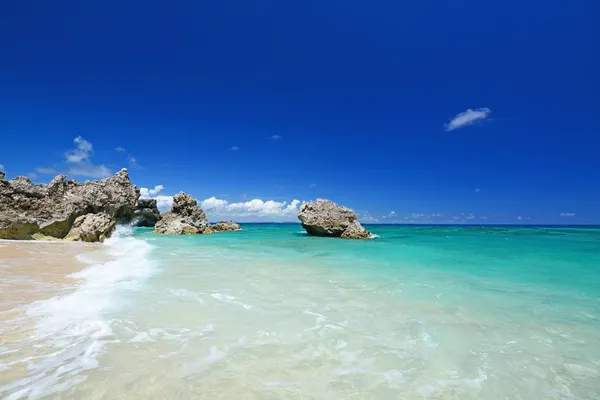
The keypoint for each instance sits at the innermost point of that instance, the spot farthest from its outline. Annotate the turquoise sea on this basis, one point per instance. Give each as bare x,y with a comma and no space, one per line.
419,312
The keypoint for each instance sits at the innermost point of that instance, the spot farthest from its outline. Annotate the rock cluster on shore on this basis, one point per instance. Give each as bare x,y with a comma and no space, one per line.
223,226
325,218
146,213
89,211
185,218
49,211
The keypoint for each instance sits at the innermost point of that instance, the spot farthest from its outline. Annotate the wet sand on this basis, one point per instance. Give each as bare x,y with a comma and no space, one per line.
32,271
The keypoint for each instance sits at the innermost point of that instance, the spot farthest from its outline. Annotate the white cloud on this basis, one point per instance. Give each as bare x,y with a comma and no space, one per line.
1,167
32,175
47,171
567,214
312,185
483,217
253,210
471,216
146,193
164,203
468,117
276,137
80,161
132,161
234,148
119,149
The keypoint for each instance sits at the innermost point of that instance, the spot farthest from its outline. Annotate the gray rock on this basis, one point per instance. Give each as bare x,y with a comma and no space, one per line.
223,226
49,210
325,218
146,213
91,228
185,218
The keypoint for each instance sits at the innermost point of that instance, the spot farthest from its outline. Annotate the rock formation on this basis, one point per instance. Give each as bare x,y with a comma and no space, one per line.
222,226
50,210
146,213
91,228
325,218
185,218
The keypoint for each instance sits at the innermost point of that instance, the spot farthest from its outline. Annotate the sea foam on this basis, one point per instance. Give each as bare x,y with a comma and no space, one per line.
74,328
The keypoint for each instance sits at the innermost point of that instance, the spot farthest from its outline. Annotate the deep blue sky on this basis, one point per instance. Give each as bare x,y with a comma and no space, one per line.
359,93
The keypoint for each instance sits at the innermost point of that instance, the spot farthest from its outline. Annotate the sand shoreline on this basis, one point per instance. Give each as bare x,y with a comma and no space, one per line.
33,270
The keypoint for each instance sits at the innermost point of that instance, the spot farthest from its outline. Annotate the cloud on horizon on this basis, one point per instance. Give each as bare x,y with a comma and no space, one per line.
467,117
256,210
253,210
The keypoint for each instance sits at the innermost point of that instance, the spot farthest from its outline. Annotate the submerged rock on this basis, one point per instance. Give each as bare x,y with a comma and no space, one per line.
91,228
146,213
185,218
223,226
50,210
325,218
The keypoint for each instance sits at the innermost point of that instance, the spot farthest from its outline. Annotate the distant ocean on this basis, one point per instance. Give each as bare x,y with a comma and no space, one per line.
420,312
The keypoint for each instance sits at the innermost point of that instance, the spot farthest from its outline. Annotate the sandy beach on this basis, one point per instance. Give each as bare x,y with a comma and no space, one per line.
32,271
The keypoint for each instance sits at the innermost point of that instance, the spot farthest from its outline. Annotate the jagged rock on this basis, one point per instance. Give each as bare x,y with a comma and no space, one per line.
325,218
185,218
51,209
2,175
146,213
223,226
91,228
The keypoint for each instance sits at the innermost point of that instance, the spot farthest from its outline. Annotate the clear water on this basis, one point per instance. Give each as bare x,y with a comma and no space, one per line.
270,313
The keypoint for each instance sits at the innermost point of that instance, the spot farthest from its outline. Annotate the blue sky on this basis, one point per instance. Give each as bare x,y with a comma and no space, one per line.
352,101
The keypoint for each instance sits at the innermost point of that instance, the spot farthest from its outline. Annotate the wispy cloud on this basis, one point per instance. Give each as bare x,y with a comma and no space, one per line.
1,167
468,117
80,162
130,159
567,214
32,175
477,190
312,185
235,148
276,137
46,171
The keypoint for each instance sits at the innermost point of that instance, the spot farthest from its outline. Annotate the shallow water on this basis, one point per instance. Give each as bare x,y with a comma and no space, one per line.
270,313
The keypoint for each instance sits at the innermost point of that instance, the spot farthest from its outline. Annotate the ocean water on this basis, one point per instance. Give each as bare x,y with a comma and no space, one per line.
419,312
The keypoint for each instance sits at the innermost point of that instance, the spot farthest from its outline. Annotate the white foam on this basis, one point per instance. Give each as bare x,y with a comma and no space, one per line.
226,298
74,327
374,236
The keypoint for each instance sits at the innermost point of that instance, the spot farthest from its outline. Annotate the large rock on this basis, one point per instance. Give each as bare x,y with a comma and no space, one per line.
146,213
50,210
223,226
325,218
91,228
185,218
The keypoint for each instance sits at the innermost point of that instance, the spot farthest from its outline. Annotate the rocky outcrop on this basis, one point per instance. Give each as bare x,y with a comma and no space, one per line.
91,228
185,218
146,213
325,218
29,210
223,226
